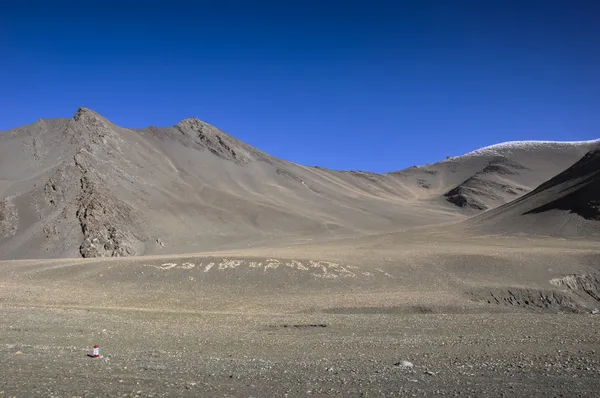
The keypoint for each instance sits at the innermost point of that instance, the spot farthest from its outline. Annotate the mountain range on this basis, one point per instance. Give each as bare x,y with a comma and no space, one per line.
84,187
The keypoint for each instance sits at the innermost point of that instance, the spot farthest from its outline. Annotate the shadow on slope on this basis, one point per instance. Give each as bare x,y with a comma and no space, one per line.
581,183
566,205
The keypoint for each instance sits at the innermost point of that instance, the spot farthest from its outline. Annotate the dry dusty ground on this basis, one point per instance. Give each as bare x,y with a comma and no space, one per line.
255,355
321,320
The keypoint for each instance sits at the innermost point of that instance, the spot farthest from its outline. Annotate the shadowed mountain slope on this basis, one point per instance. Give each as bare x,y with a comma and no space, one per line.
566,205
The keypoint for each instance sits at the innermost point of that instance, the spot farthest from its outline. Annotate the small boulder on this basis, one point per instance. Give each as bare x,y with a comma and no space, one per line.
404,364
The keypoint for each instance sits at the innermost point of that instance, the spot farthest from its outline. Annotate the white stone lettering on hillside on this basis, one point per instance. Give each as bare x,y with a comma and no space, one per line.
315,268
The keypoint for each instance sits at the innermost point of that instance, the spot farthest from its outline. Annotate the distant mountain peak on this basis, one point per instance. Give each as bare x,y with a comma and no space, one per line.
83,113
192,119
193,123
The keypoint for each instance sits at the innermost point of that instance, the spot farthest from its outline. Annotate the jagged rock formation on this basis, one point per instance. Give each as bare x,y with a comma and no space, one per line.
77,206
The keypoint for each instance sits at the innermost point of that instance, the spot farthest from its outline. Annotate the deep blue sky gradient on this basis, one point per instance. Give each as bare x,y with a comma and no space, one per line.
369,85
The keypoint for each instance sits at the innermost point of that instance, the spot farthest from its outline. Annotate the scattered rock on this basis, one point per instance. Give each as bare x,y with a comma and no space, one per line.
404,364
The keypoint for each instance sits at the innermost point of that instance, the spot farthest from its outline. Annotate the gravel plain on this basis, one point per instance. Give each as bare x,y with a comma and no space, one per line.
44,352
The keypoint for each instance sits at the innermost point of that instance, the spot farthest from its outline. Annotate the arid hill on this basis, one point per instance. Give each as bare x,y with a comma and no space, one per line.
86,187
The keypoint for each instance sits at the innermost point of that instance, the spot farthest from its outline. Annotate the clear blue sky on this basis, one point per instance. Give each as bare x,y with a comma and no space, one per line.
369,85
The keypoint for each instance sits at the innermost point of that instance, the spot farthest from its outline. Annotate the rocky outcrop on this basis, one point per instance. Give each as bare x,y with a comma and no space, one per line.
582,284
580,293
537,300
217,142
465,197
106,223
9,219
81,189
487,188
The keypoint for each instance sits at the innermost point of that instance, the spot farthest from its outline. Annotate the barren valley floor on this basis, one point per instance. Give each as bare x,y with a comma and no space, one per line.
306,321
147,353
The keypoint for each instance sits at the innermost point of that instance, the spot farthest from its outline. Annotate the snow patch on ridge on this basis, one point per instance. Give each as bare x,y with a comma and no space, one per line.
506,148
